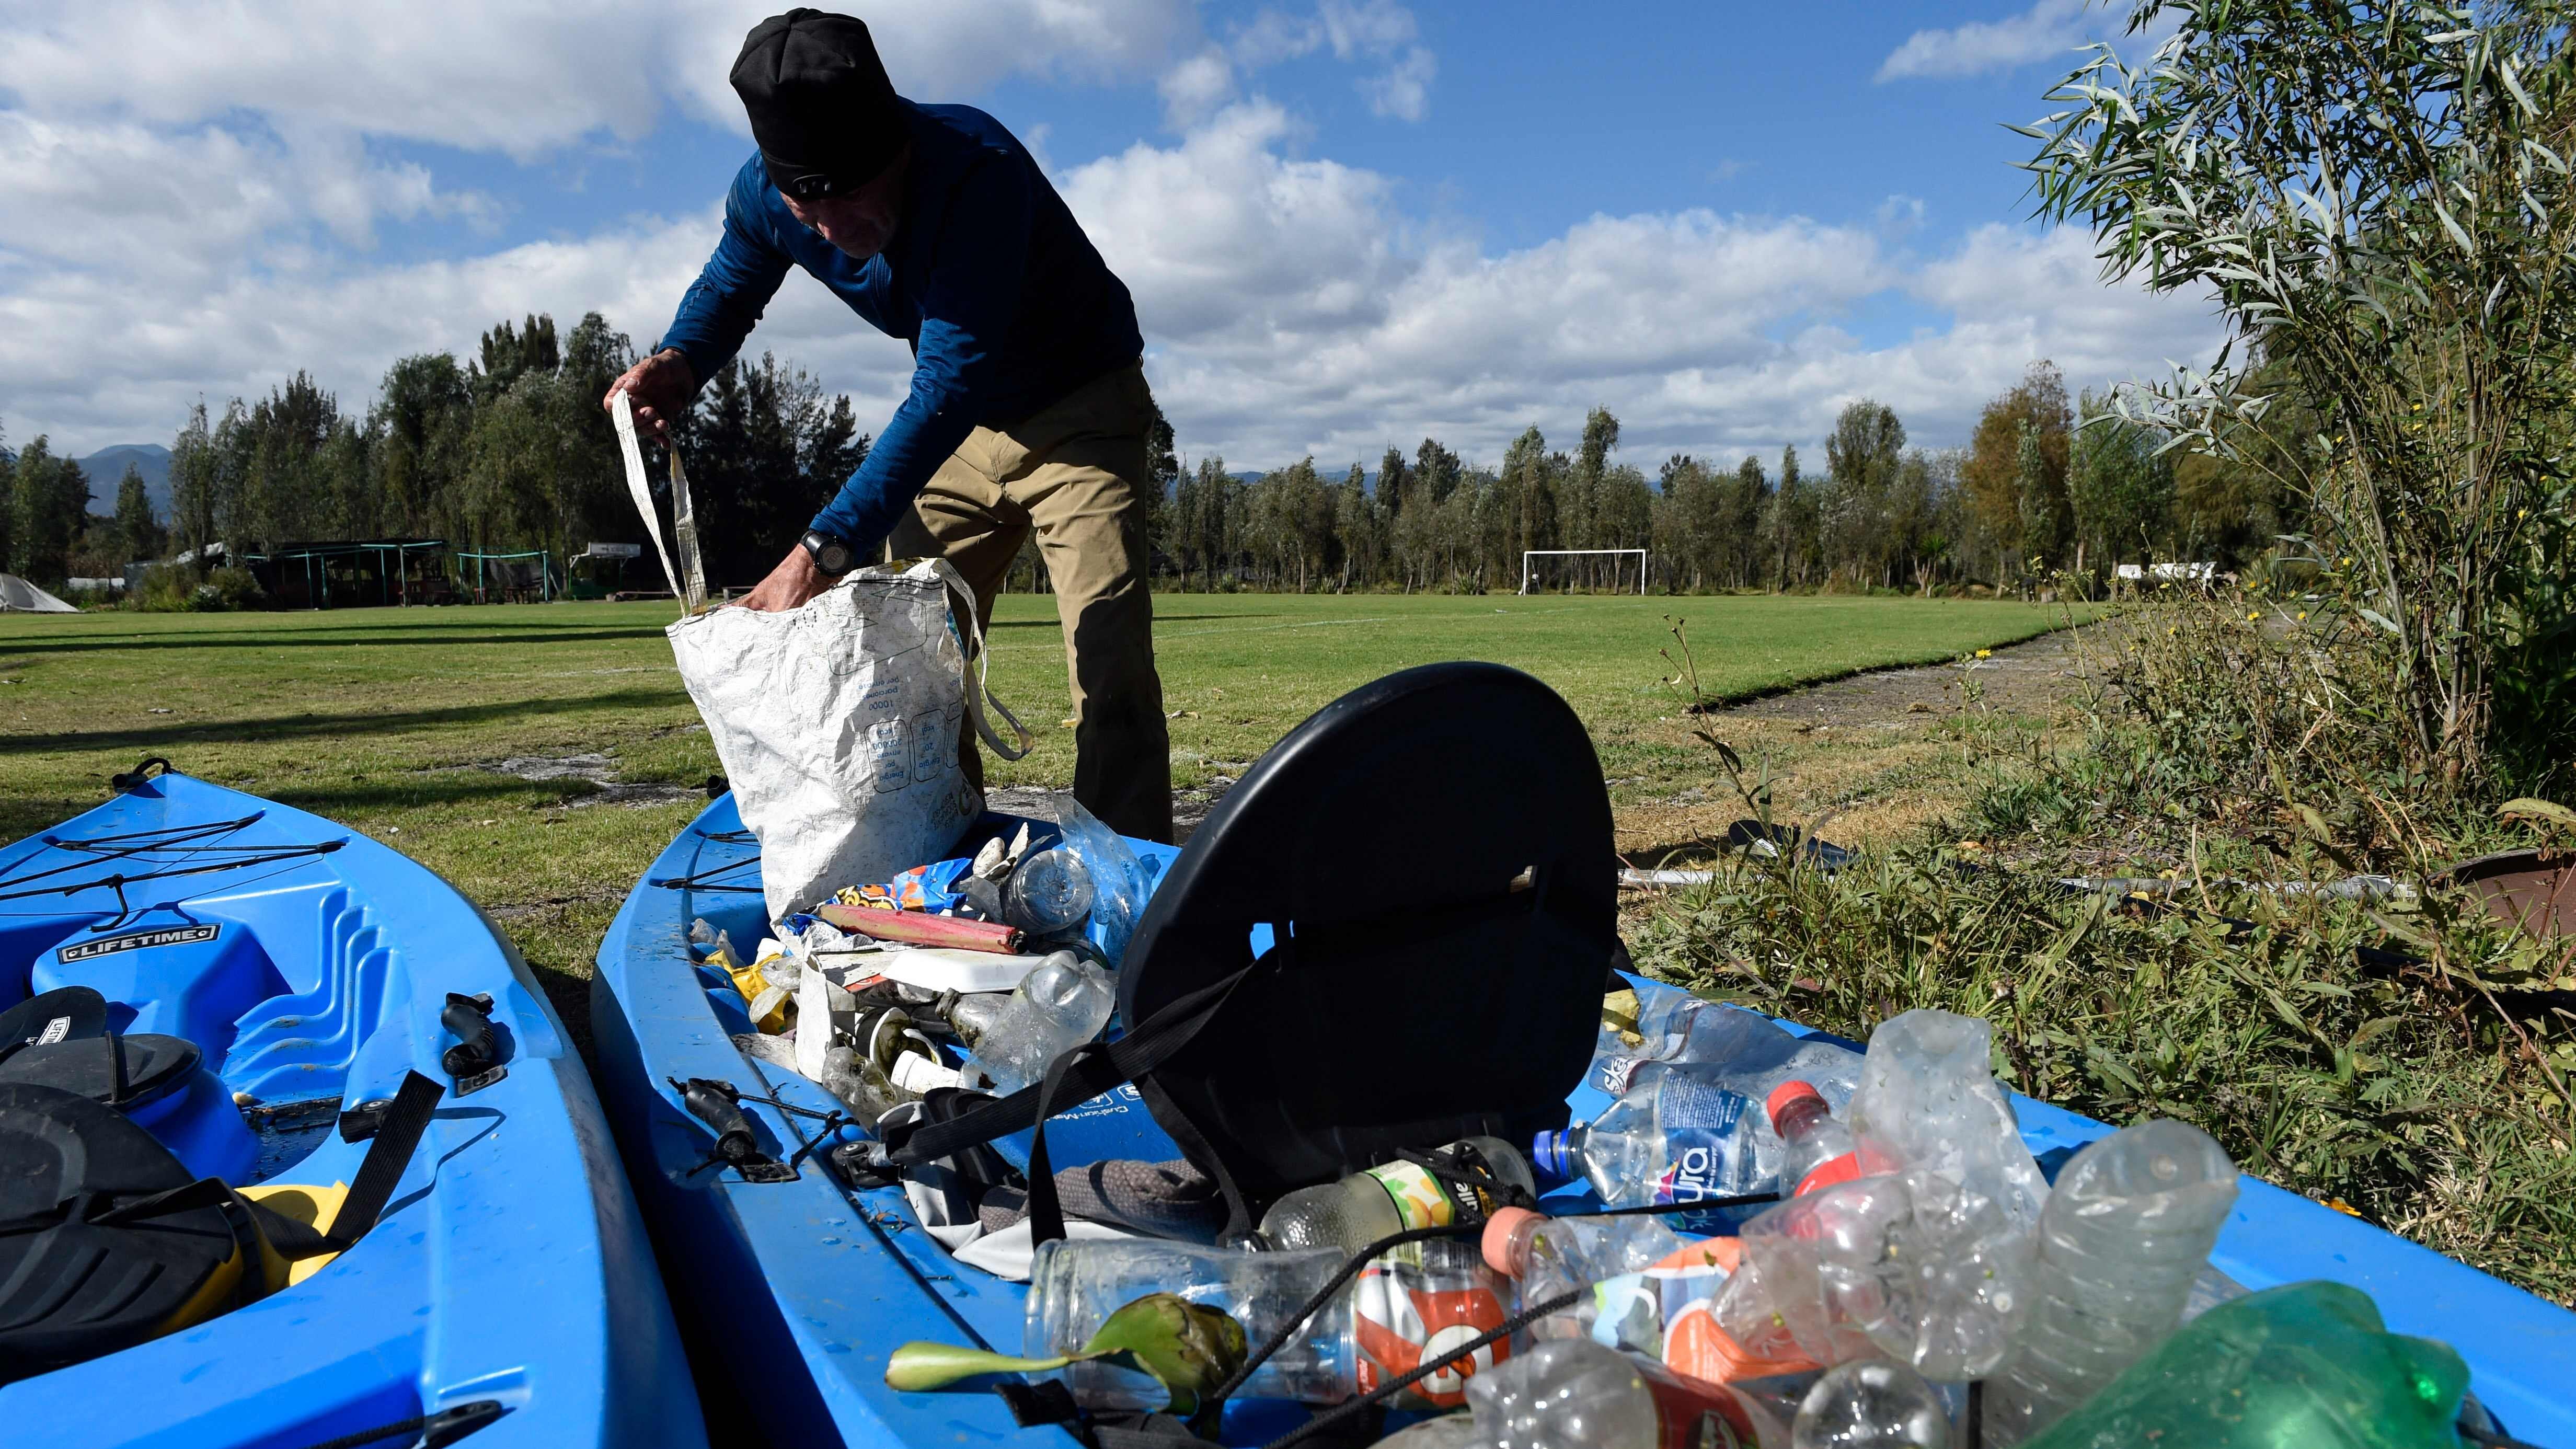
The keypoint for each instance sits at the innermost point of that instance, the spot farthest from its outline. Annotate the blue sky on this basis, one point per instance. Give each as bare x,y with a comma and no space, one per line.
1346,221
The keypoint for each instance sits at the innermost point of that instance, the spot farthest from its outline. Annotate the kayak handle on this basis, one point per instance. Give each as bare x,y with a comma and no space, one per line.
469,1019
713,1103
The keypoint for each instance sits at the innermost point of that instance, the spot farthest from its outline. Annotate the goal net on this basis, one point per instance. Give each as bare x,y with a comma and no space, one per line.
1592,570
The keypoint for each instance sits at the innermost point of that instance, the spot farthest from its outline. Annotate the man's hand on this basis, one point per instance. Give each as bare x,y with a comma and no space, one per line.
789,585
661,385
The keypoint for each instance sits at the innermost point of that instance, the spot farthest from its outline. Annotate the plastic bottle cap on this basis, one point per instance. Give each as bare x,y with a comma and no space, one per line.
1786,1095
1497,1241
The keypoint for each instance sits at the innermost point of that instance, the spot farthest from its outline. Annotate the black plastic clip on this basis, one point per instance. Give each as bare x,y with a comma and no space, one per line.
361,1121
861,1166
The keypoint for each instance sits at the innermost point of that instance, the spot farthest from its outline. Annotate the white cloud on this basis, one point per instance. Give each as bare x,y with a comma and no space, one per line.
1194,88
197,242
1376,31
2049,28
494,75
1403,89
1291,308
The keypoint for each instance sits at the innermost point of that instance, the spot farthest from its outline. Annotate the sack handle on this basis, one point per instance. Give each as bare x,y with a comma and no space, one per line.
684,522
980,691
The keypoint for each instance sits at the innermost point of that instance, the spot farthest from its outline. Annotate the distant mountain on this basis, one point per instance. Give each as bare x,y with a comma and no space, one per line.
106,468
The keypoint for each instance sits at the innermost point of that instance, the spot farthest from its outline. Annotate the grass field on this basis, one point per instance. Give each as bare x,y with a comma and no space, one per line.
388,719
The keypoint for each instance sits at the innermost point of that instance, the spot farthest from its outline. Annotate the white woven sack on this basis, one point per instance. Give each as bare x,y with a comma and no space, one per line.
837,722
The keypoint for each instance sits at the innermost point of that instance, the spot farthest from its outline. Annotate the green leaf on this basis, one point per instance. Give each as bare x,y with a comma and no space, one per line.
920,1366
1190,1348
2527,808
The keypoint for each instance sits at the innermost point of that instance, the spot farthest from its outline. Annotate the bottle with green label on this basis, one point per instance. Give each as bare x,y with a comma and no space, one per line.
1366,1206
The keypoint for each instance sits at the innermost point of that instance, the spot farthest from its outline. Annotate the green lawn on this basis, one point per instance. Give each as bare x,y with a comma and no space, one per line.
383,718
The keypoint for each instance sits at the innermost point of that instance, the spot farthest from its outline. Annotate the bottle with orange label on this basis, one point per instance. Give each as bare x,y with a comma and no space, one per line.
1651,1290
1366,1206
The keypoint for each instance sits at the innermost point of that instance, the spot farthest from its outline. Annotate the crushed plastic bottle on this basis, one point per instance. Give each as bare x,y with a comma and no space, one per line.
2126,1232
1424,1301
1816,1150
2309,1364
1366,1206
1120,882
1678,1136
1059,1006
1871,1404
1928,1098
1050,893
1571,1393
1671,1025
1910,1265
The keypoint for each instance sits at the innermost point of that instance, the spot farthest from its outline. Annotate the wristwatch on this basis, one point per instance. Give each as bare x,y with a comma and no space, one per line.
830,555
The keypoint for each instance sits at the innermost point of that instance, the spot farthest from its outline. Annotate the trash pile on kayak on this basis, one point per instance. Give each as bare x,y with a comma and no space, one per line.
1342,1122
1883,1261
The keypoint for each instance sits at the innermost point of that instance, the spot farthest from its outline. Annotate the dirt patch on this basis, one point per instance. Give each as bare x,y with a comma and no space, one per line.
596,770
1865,760
2035,677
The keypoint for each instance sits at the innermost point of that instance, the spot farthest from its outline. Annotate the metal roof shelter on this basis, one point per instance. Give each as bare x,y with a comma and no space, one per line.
311,564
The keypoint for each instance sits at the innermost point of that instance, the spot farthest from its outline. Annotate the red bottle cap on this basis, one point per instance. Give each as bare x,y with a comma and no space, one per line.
1786,1094
1497,1241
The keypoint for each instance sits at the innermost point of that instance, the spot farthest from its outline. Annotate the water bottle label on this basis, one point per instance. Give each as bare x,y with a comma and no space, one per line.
1419,1198
1419,1304
1702,1136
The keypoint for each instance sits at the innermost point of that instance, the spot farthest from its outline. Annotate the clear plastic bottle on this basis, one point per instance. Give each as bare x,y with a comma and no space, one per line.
1871,1404
1424,1302
860,1084
1366,1206
2126,1231
1928,1098
1571,1393
1677,1136
1530,1247
1048,894
1815,1149
1058,1006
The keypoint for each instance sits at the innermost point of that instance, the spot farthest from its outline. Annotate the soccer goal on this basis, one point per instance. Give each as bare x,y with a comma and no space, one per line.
1617,572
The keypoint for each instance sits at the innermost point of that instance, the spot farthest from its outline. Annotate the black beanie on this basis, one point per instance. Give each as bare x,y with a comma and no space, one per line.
821,108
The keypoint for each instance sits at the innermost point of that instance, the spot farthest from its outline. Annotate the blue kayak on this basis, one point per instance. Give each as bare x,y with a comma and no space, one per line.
275,971
800,1287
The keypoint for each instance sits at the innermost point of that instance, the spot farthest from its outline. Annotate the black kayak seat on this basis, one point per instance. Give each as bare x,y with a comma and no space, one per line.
126,1073
1434,854
66,1013
81,1279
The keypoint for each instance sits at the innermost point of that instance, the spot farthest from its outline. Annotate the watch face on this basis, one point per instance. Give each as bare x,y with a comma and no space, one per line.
829,554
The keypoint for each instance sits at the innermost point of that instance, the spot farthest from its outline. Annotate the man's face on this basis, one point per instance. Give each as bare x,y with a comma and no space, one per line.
859,222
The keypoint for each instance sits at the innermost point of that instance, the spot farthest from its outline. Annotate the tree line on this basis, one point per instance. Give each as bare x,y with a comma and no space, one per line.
2045,486
508,450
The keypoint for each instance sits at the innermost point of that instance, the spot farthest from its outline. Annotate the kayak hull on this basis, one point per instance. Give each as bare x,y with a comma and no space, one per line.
511,1264
799,1290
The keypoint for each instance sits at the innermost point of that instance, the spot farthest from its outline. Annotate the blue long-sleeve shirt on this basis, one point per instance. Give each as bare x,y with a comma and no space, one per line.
1006,303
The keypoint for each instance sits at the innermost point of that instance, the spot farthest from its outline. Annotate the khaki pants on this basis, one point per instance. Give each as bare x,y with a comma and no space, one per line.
1075,472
